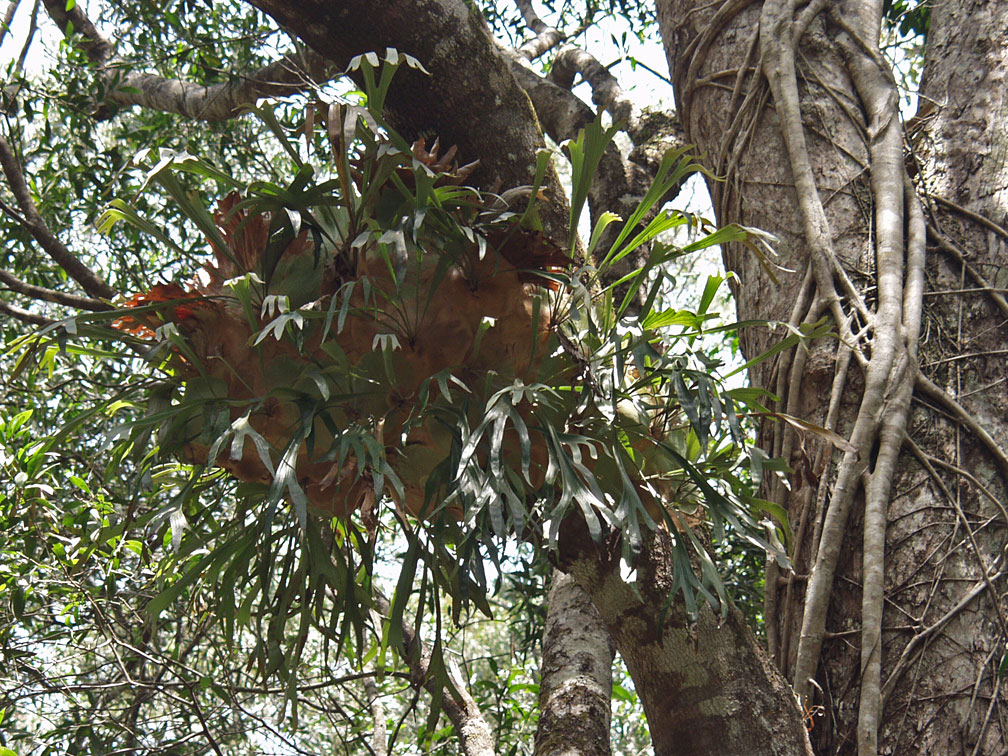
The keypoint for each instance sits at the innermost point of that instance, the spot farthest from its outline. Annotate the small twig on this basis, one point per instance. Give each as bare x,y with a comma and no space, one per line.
972,479
202,720
966,356
978,588
948,246
954,502
990,709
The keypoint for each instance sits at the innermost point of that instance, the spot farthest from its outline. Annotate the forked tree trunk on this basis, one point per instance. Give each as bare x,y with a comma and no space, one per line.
928,683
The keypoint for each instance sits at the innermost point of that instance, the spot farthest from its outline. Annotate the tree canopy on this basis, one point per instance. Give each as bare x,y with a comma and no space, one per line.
352,402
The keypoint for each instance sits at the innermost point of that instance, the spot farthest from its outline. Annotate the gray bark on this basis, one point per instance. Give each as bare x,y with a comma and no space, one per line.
124,87
706,686
911,626
576,675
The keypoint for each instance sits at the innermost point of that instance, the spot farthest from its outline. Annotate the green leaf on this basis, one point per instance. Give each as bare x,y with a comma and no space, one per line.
585,152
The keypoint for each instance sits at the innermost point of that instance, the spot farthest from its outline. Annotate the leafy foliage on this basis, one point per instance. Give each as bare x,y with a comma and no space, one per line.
911,17
505,19
320,332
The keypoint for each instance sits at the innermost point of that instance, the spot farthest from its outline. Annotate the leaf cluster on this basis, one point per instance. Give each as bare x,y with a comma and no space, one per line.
358,364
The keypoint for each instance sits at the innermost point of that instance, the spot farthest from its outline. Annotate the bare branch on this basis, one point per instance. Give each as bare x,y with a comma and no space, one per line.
51,295
606,91
378,737
473,731
547,37
293,73
37,227
23,315
32,28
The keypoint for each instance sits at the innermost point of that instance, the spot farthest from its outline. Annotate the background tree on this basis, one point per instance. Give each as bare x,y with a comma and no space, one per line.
892,620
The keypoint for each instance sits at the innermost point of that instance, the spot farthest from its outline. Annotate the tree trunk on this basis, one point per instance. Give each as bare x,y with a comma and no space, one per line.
891,620
905,552
706,686
575,688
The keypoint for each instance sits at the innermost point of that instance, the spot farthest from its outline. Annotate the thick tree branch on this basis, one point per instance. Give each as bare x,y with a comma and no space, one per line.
606,91
547,37
619,183
99,50
470,98
293,73
296,72
37,227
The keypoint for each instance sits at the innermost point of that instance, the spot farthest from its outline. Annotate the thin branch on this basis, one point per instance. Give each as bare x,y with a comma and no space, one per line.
50,295
937,394
37,227
379,735
98,49
24,316
976,217
970,536
32,28
474,733
8,18
295,72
